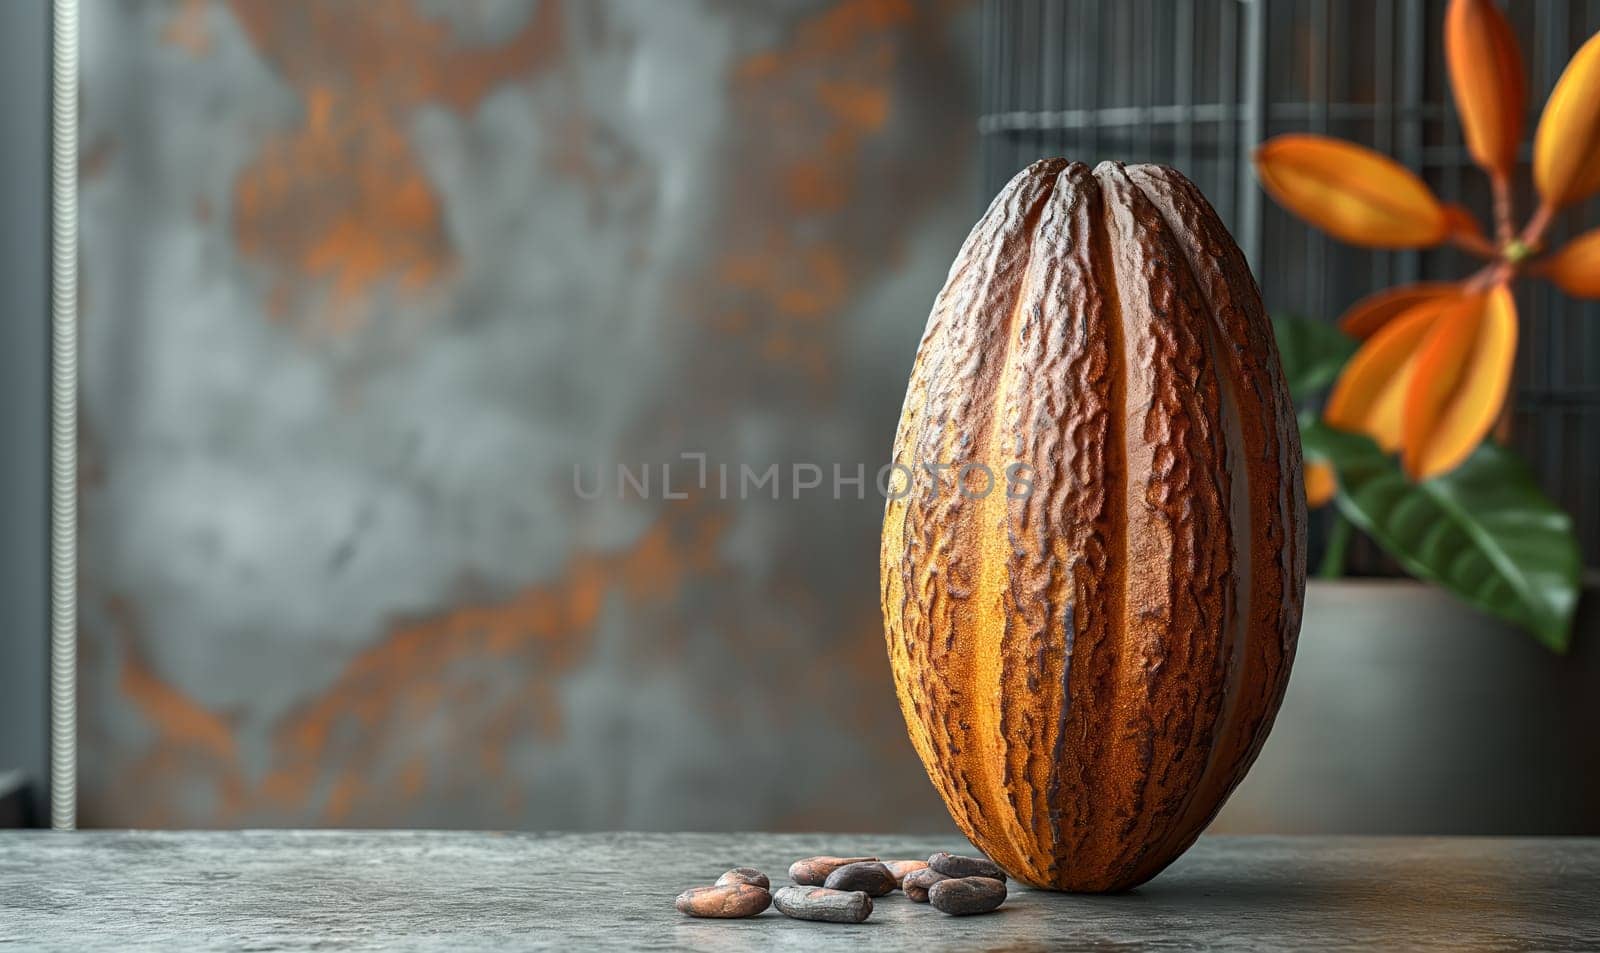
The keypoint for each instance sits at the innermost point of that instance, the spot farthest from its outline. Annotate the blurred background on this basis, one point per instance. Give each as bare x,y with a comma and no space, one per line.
363,284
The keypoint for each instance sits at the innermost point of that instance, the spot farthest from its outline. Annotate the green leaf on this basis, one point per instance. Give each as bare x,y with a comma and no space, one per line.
1484,531
1313,353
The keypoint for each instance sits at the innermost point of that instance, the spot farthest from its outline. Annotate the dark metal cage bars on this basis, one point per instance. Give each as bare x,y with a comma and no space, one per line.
1196,84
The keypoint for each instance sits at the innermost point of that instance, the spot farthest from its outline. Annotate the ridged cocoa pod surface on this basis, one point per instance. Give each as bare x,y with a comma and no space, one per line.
1090,655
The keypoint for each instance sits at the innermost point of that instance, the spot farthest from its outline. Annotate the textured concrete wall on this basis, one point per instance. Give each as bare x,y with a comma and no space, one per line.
363,283
24,410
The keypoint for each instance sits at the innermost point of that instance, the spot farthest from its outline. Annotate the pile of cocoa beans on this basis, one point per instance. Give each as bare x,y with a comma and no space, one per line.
841,889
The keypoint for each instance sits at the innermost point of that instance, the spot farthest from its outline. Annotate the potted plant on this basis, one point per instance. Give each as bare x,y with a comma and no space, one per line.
1412,707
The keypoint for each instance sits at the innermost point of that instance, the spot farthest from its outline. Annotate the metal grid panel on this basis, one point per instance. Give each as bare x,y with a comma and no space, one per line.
1197,84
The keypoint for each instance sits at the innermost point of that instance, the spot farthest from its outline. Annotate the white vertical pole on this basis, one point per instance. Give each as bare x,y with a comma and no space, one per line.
64,420
1248,229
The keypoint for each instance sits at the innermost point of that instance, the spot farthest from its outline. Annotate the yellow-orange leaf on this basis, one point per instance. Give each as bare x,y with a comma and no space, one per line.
1374,311
1369,396
1461,222
1576,267
1486,77
1321,483
1351,192
1566,149
1459,383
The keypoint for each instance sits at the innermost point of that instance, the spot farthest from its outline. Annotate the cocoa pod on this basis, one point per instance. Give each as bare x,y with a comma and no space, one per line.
917,882
868,876
726,902
961,896
955,865
820,903
1089,651
745,875
814,871
902,867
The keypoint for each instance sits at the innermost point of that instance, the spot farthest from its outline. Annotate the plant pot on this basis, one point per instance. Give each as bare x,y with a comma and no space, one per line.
1409,712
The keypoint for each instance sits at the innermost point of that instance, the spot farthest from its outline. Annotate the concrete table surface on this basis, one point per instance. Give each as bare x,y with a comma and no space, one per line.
435,890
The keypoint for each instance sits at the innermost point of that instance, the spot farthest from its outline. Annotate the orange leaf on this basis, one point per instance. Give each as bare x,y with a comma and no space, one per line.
1566,149
1459,383
1460,221
1575,268
1370,393
1486,76
1351,192
1321,483
1374,311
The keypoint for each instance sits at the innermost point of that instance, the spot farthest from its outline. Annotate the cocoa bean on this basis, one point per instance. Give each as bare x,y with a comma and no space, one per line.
902,867
727,902
917,883
867,876
960,896
820,903
745,875
955,865
814,871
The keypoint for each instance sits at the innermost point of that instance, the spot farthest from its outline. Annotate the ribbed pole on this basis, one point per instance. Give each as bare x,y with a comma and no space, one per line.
64,421
1255,130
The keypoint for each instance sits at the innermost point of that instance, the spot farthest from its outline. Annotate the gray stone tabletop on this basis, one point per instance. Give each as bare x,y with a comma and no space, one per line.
434,890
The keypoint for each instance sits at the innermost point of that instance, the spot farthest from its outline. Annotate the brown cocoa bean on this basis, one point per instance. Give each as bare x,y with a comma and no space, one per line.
727,902
902,867
814,871
961,896
955,865
745,875
867,876
917,883
820,903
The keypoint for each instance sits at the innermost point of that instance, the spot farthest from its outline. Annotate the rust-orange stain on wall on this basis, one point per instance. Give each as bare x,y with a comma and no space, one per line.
192,741
450,707
433,705
796,247
342,199
188,30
